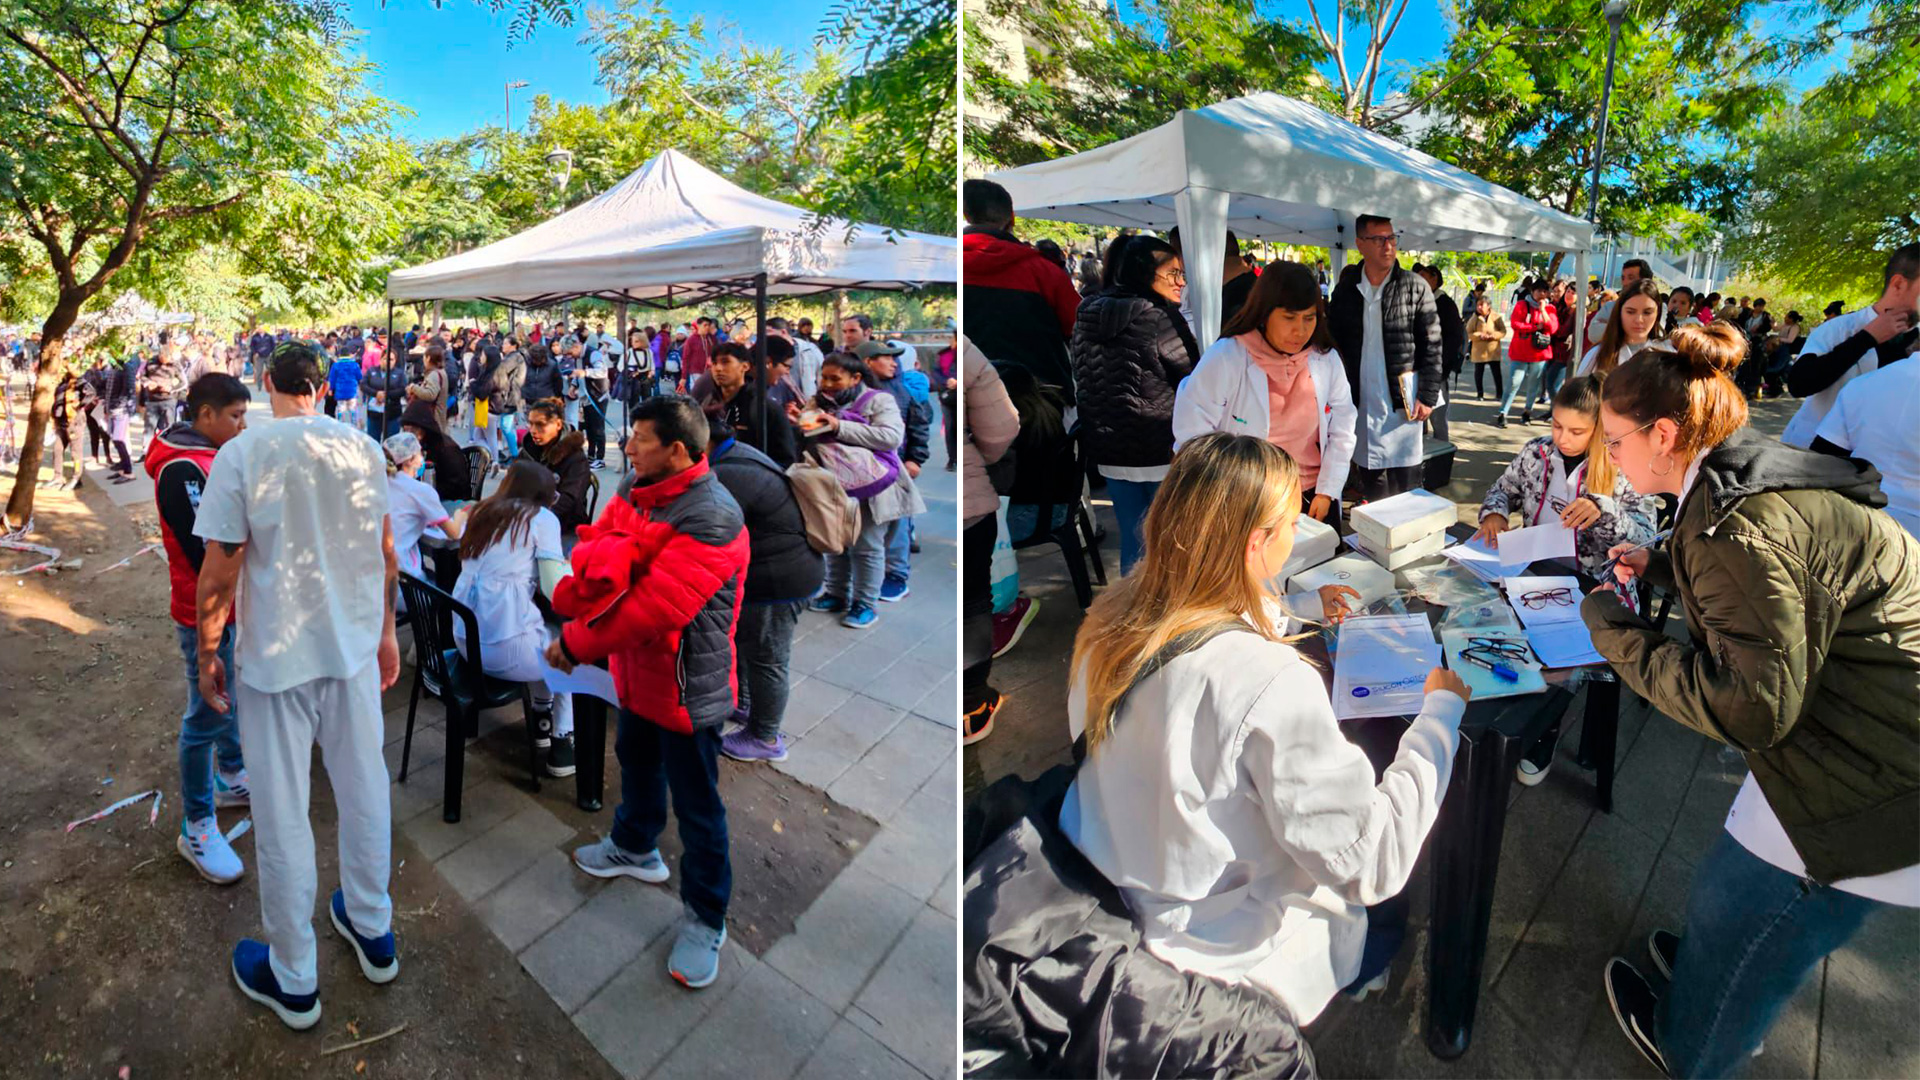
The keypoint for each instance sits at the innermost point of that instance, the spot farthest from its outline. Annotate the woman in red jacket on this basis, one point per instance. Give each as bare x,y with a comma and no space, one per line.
1534,323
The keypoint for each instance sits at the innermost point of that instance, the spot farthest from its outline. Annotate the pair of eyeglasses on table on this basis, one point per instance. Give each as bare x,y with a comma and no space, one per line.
1494,654
1561,597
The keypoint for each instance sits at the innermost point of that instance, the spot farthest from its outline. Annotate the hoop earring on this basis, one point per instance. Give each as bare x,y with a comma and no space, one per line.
1665,471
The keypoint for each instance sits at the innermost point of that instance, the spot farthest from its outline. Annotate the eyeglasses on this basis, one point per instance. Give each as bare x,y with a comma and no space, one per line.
1561,597
1491,652
1380,238
1178,277
1613,445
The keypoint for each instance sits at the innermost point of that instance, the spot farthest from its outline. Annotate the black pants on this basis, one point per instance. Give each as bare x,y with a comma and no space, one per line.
1380,483
97,439
124,463
976,611
1479,379
950,426
654,763
594,419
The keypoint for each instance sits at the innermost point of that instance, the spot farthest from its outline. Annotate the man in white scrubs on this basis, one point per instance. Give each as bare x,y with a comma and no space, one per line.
294,516
1850,345
1875,419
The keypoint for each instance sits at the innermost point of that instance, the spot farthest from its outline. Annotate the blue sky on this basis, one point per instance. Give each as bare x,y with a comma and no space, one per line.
450,64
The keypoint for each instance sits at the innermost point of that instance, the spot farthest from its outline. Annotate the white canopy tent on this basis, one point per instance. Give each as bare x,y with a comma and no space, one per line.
1272,168
675,232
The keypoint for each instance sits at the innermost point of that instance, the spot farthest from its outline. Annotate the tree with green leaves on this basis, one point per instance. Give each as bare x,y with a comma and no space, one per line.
148,122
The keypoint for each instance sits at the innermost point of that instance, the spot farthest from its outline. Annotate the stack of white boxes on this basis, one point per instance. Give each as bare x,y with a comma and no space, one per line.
1404,528
1314,542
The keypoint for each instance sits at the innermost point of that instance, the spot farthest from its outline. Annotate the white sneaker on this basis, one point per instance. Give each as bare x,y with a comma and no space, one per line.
202,844
1530,774
230,789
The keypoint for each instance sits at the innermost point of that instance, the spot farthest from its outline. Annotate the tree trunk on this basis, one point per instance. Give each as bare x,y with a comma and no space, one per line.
46,375
1553,265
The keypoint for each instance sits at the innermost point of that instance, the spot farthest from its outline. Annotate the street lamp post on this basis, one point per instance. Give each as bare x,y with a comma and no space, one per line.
1616,12
521,84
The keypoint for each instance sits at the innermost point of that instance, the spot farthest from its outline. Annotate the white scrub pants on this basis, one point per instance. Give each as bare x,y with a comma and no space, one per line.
277,735
518,660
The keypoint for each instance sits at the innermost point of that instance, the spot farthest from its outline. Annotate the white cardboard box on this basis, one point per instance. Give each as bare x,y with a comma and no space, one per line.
1357,572
1314,542
1392,523
1396,558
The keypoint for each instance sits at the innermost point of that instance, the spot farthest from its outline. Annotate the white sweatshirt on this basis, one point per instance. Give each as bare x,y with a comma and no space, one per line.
1246,833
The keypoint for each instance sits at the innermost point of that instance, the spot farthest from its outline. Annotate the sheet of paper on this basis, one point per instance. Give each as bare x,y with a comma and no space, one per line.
1541,612
1479,559
1563,644
1481,680
1519,547
1381,665
585,679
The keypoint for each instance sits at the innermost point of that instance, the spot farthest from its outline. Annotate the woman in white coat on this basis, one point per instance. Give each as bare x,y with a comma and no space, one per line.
1274,374
1247,834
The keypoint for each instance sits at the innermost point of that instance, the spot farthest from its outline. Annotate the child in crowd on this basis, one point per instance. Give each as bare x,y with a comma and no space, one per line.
1568,476
1247,834
179,462
507,538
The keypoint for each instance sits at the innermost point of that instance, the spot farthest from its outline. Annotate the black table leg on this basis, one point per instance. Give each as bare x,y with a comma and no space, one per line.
1600,735
590,746
1465,849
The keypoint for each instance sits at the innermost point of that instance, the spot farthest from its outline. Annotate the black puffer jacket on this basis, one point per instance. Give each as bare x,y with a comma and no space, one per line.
782,566
1129,355
542,380
565,457
1410,325
1054,972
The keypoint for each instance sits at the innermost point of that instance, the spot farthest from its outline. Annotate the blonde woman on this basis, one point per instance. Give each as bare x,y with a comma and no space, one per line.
1218,794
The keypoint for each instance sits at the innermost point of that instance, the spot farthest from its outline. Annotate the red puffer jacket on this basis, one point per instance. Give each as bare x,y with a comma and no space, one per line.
1526,321
656,590
179,461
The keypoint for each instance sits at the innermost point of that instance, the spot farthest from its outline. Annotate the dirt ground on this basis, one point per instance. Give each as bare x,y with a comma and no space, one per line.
114,953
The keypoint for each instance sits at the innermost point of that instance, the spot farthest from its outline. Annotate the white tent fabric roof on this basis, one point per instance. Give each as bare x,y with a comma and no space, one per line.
1272,168
675,229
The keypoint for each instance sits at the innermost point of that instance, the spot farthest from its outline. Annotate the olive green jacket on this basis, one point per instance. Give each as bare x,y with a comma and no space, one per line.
1802,603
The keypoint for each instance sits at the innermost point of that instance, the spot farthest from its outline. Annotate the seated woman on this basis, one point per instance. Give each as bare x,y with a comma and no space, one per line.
413,507
1218,794
562,451
1568,476
508,536
452,480
1274,374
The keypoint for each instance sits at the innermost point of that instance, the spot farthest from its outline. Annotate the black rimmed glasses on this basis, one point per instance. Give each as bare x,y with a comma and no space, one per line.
1380,238
1491,653
1546,598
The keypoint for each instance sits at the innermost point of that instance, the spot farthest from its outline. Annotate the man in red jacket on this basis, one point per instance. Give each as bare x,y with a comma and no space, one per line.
1020,306
656,590
179,460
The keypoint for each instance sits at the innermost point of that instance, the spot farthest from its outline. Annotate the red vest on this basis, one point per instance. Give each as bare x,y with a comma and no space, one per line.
180,443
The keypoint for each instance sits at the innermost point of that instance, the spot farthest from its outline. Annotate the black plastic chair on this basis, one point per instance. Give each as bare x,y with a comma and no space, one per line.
478,461
459,682
1074,536
593,495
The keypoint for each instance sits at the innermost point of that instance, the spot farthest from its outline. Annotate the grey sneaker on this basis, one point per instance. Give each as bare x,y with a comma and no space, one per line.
607,859
695,961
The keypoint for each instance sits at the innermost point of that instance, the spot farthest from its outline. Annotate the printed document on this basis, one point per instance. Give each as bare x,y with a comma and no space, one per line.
1381,665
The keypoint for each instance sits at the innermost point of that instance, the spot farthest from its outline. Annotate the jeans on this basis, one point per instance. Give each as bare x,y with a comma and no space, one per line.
205,734
763,644
1519,375
1386,931
348,411
1437,422
654,763
503,422
976,611
159,417
855,574
1754,932
376,422
1130,501
1556,374
899,548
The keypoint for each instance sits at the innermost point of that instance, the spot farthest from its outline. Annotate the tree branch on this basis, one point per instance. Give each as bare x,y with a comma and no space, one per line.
175,213
82,101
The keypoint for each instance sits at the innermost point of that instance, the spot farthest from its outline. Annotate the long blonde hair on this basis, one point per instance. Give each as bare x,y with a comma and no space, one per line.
1220,489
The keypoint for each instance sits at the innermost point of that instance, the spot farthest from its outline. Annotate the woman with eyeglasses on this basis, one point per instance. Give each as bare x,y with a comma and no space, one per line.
1131,348
1802,601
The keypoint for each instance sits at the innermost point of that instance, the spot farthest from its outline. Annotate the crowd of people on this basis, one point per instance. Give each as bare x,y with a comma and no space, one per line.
1251,841
688,582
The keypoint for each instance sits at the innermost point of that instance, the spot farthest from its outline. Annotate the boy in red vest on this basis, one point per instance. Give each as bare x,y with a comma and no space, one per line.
179,461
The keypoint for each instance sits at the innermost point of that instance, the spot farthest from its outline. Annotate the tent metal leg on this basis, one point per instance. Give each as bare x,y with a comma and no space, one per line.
760,348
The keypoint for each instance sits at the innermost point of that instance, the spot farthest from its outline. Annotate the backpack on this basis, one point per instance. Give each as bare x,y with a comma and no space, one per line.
832,517
863,473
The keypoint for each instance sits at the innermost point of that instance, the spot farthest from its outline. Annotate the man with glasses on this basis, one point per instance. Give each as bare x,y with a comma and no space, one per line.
1387,329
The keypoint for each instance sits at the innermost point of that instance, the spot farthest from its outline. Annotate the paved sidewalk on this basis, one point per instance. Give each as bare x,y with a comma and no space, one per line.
865,984
1575,885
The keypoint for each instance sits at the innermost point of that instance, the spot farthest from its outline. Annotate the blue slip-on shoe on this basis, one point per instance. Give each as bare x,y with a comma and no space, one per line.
379,956
859,617
254,976
695,961
893,590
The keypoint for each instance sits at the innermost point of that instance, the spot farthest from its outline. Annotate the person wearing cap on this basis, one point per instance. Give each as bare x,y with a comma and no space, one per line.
909,390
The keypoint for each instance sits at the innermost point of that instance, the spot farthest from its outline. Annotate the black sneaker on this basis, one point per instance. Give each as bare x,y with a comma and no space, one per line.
1500,421
542,729
913,547
1526,419
560,756
1634,1006
1664,946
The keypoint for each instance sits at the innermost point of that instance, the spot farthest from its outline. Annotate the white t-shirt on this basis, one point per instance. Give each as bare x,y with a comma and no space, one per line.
1806,423
308,496
1875,418
498,584
414,508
